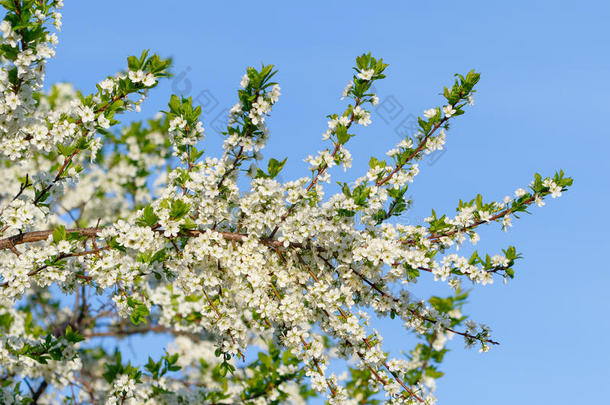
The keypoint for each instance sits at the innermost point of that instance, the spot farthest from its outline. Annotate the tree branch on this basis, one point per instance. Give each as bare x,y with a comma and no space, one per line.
41,389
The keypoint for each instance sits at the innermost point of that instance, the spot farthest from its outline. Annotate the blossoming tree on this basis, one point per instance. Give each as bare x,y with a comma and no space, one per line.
108,233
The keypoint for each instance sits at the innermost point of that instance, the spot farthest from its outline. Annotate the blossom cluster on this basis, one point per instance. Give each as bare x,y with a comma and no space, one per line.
148,234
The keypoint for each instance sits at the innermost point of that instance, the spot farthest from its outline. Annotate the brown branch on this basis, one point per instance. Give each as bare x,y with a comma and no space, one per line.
412,311
60,257
320,171
136,331
41,388
499,215
413,154
235,165
89,388
37,236
491,270
23,186
365,340
67,161
238,156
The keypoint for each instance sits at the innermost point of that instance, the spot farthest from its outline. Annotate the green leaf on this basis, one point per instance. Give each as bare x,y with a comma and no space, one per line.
178,209
112,242
133,63
265,360
193,298
73,336
274,167
342,135
148,218
13,77
59,233
6,320
174,105
139,312
434,373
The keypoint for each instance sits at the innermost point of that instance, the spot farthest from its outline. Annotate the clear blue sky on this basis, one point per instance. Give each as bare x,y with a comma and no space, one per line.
542,105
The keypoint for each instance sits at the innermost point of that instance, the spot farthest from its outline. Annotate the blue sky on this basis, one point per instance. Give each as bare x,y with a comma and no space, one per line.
541,106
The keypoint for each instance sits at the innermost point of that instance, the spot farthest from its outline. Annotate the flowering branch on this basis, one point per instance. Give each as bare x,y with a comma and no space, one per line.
184,250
